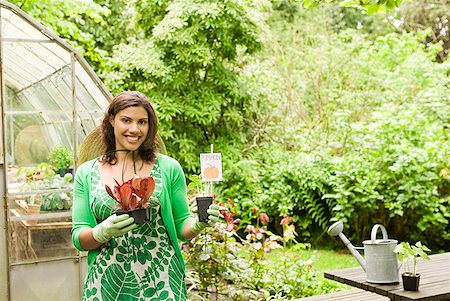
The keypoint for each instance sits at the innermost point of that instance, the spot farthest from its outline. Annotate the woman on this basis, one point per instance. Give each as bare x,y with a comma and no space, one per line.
127,261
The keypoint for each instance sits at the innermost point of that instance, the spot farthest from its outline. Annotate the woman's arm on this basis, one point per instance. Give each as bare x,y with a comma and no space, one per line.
87,240
187,230
82,217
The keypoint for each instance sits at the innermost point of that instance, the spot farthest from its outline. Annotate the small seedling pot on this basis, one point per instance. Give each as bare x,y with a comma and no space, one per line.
203,203
411,282
33,209
140,215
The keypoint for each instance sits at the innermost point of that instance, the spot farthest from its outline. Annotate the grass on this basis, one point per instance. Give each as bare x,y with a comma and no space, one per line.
332,260
322,260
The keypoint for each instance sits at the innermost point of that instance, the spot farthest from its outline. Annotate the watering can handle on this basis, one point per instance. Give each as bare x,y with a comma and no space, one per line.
375,228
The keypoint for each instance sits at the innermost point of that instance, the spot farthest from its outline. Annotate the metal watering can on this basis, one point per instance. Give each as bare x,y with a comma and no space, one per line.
380,263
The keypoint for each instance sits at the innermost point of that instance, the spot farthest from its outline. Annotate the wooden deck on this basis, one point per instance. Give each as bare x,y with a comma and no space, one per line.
354,294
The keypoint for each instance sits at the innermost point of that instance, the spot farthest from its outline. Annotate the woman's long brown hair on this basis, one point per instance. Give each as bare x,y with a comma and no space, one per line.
147,150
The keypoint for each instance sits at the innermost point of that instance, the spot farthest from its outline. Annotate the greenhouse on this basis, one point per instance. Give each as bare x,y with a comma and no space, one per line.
50,100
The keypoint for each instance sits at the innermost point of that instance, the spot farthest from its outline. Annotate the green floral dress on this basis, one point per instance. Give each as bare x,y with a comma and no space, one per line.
140,265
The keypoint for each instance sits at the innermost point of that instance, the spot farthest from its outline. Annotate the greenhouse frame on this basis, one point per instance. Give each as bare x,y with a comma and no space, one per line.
51,99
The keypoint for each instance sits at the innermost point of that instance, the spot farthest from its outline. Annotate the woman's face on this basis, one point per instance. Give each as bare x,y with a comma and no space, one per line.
130,128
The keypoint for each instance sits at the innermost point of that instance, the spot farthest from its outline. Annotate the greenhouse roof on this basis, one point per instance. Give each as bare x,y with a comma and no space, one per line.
46,78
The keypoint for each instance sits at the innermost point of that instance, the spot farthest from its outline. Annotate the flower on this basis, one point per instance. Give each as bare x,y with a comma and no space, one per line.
228,216
286,220
134,193
264,218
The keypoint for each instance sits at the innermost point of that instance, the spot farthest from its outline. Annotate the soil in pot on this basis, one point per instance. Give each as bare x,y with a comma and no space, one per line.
411,282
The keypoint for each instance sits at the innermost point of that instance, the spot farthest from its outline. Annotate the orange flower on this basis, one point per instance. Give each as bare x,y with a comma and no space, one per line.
264,218
286,220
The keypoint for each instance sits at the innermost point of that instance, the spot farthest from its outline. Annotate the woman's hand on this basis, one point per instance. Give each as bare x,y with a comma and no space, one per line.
214,215
115,225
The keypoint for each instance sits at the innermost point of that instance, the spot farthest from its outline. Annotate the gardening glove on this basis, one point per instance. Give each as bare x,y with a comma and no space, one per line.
115,225
214,214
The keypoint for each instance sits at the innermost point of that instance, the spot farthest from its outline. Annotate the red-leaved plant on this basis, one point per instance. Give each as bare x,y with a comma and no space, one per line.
134,193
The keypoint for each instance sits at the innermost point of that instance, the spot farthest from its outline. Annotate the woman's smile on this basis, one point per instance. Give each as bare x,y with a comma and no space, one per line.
132,139
130,127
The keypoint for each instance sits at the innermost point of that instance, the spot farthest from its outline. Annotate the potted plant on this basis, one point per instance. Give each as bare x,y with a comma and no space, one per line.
60,199
197,193
61,158
34,204
134,198
409,256
39,172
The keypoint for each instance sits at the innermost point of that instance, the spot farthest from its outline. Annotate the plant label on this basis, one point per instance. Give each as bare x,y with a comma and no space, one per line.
211,167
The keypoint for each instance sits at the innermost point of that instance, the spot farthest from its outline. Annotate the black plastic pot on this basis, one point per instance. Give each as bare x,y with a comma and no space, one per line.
203,203
410,281
63,171
140,215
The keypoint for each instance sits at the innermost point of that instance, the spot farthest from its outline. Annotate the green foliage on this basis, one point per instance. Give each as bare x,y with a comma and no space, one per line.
293,276
325,115
150,14
211,255
413,16
188,67
42,171
392,175
82,23
283,183
371,6
227,265
406,253
185,55
61,158
378,127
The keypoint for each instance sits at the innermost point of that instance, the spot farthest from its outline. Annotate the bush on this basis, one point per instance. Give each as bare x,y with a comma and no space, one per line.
366,142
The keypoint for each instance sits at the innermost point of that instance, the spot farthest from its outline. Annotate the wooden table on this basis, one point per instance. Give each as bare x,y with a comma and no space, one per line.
434,280
31,239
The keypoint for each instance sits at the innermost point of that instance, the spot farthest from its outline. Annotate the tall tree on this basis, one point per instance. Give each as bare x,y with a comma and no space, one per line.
188,64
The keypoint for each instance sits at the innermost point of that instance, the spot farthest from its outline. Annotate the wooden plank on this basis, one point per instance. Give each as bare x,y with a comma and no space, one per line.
356,277
43,226
427,291
349,295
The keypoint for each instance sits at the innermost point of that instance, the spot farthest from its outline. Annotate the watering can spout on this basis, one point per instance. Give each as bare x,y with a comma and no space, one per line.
336,230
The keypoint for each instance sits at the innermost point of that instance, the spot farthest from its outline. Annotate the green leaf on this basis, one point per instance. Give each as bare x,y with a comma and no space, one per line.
119,285
349,3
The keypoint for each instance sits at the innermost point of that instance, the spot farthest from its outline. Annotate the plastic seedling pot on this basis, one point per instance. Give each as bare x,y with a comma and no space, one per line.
203,203
411,282
140,215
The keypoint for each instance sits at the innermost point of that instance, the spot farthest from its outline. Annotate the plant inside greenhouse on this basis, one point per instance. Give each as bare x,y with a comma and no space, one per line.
61,158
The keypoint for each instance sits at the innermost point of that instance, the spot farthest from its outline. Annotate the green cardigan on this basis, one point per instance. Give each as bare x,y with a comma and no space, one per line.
173,198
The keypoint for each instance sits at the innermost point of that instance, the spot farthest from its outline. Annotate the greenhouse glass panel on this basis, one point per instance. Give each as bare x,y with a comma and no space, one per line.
15,27
89,95
51,101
